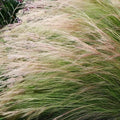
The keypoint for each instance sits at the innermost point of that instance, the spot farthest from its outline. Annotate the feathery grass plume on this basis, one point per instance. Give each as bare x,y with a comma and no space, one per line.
8,11
67,61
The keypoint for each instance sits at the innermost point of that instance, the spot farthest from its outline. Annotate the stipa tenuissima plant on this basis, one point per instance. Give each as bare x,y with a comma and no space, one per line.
8,11
75,64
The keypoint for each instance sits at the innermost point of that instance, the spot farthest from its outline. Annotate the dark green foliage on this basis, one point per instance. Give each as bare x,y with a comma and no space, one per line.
8,11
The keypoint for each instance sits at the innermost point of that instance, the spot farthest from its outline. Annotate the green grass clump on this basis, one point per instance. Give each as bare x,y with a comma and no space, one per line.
77,75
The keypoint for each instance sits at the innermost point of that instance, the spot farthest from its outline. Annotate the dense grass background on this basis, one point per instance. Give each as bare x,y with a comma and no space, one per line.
8,11
62,62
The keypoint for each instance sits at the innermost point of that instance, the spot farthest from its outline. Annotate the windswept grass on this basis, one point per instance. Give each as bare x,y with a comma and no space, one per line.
63,62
